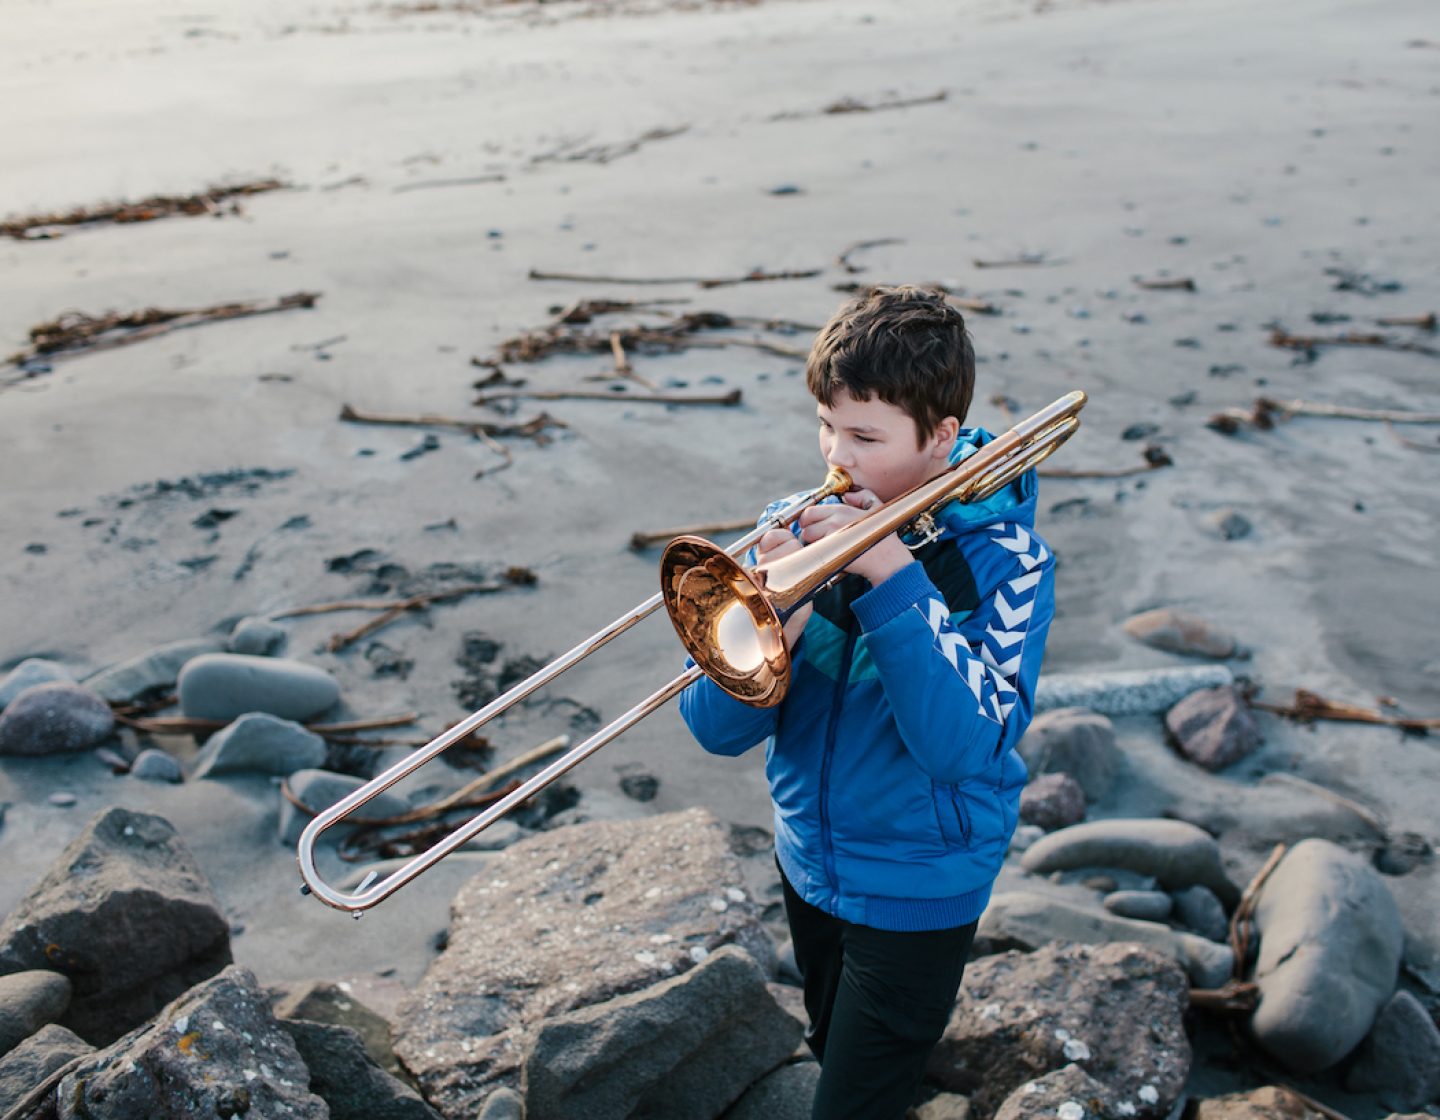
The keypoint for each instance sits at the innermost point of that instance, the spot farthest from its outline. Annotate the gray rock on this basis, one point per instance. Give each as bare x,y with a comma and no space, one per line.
154,765
1068,1092
258,743
35,1059
344,1077
1400,1057
125,912
688,1046
1052,801
321,1001
1214,727
28,1001
1177,854
1077,742
319,789
1199,909
560,921
1268,1103
503,1104
1127,692
1330,944
214,1052
1177,632
1114,1010
258,637
945,1106
223,686
156,668
1024,838
1143,906
784,1094
1028,921
31,671
54,718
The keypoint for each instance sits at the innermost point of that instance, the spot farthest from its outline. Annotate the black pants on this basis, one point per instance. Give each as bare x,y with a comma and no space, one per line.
878,1003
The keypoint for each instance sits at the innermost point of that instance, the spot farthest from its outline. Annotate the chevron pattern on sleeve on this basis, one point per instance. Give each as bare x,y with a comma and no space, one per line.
992,666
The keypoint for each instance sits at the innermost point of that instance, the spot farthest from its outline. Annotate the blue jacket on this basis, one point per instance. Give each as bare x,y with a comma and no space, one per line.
891,761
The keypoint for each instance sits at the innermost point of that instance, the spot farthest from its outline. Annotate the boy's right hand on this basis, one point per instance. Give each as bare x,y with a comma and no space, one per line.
772,546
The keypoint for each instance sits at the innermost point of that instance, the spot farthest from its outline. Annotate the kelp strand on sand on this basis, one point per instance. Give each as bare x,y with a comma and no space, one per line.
75,332
34,227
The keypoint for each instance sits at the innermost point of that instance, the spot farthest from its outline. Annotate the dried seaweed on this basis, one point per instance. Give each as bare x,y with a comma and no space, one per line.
76,332
1310,345
758,275
214,202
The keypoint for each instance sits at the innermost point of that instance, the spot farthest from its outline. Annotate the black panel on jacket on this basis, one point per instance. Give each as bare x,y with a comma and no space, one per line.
943,563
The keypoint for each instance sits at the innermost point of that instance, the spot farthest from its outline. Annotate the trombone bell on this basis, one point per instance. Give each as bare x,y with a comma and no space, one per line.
725,621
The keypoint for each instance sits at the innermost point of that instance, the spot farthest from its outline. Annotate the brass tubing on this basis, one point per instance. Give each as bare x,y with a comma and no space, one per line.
836,482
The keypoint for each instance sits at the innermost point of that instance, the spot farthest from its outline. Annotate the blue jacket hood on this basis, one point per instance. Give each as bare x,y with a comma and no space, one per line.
1015,502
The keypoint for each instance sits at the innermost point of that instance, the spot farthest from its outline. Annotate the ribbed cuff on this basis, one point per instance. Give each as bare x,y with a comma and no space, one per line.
893,597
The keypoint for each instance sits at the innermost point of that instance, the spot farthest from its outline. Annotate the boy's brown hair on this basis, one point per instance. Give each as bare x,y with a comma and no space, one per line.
905,345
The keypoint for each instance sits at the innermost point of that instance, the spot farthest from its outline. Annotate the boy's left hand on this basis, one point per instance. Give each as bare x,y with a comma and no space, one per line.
876,565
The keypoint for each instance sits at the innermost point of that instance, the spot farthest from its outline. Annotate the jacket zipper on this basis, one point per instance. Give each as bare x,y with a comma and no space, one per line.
826,842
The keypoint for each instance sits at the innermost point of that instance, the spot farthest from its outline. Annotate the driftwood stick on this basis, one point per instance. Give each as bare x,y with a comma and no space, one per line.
705,282
1236,996
843,260
1155,458
730,398
970,303
1166,283
1267,410
415,602
1240,921
75,332
642,540
1309,343
532,428
187,725
1424,322
1414,445
1308,707
428,184
1025,260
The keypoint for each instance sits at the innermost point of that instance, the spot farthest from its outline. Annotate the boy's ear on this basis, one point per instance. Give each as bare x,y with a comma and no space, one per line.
944,435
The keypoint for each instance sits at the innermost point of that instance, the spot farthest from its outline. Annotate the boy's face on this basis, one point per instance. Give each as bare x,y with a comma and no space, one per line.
876,443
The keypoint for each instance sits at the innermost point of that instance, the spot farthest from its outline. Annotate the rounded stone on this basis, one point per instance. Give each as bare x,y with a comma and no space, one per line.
222,686
53,718
30,672
1073,741
260,743
1147,906
1330,946
318,790
257,636
1201,911
28,1001
155,765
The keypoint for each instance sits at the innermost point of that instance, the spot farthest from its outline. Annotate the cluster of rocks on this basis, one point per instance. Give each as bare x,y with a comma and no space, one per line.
623,968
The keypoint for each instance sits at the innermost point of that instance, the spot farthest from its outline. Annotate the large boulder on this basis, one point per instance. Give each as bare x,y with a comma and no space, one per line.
215,1051
1330,945
1177,854
342,1074
1077,742
127,916
785,1094
1116,1011
321,1001
54,718
561,921
223,686
688,1046
35,1059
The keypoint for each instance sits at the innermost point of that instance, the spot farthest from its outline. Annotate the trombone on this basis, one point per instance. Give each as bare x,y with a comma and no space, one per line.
729,618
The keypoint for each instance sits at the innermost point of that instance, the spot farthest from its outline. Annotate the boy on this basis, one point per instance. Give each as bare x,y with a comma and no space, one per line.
891,761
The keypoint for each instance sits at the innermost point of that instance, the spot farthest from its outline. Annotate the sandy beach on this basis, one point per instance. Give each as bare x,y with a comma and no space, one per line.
1045,158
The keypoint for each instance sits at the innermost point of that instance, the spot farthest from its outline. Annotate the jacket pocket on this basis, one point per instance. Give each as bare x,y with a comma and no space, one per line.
952,816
